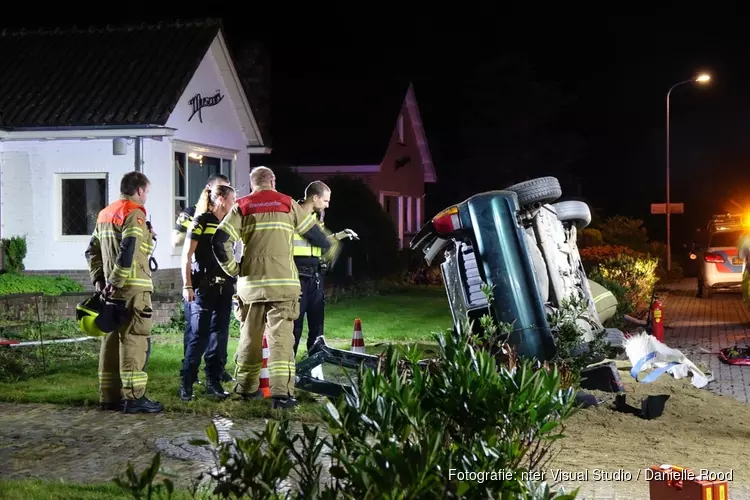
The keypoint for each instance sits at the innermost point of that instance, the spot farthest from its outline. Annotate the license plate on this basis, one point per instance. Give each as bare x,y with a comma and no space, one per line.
736,261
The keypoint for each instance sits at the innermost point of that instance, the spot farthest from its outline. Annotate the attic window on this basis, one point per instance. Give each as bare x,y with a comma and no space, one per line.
400,129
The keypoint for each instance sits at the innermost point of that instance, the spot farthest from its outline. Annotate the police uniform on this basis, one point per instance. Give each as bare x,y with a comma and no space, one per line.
307,258
268,287
210,310
182,225
118,253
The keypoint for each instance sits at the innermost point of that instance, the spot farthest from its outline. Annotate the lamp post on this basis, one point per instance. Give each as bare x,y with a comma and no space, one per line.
702,78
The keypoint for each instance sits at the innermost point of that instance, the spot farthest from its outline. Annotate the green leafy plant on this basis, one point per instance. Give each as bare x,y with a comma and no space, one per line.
11,283
142,486
14,249
413,429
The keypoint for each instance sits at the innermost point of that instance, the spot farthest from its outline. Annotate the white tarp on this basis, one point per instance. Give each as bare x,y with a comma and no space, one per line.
646,352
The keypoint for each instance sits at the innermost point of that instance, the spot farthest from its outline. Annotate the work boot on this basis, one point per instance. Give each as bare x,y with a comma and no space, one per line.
253,395
226,377
214,389
142,405
287,403
186,390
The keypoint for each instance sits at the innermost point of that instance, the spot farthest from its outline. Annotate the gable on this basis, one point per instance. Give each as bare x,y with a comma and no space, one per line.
213,107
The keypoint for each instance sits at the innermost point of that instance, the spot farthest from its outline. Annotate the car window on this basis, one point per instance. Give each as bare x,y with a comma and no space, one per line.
725,239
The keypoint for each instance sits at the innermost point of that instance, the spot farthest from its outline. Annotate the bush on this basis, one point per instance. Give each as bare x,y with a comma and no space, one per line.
14,249
634,272
626,232
408,430
11,283
355,206
589,237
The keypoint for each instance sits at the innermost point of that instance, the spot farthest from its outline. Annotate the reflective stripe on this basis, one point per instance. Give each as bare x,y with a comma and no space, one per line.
303,248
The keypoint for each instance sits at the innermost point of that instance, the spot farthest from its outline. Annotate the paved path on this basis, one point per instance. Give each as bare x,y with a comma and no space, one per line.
693,324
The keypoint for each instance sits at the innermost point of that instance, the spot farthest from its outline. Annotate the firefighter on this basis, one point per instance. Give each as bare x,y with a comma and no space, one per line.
118,261
311,267
208,294
182,224
268,288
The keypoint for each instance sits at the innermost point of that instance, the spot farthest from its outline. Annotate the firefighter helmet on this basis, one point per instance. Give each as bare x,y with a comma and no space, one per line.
97,316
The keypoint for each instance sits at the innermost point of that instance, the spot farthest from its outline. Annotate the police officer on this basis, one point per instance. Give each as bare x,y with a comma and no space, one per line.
311,267
182,224
118,261
208,294
268,288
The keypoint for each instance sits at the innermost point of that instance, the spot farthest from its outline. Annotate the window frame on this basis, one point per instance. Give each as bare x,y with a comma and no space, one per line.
186,148
58,199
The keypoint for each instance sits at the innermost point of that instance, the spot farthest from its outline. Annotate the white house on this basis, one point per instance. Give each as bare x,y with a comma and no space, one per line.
80,108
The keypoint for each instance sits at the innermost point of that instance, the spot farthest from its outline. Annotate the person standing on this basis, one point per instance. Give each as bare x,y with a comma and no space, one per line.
181,226
118,262
268,288
207,292
311,268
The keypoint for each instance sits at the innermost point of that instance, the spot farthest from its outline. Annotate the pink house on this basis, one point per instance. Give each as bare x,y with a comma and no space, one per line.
379,139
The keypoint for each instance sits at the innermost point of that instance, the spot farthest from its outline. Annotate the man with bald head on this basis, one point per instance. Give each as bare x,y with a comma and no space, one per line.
268,287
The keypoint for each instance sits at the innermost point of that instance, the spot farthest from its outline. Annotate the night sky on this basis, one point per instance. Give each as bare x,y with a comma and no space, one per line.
613,74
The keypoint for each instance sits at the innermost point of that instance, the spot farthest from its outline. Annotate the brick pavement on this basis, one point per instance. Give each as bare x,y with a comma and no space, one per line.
692,323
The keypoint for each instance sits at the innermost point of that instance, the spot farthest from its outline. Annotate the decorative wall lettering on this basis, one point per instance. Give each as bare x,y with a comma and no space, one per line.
197,103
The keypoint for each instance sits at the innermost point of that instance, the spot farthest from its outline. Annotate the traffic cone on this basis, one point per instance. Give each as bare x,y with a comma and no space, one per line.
358,341
265,383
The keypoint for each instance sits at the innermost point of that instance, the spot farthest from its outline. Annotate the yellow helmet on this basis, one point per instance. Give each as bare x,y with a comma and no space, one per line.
97,316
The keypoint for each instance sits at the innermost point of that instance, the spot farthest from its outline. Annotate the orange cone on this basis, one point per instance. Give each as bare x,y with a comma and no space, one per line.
265,383
358,341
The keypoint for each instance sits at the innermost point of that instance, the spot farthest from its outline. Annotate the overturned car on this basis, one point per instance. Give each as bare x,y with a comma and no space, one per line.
522,244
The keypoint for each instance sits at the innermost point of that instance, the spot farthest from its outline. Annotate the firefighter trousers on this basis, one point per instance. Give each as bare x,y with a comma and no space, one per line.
123,355
279,318
313,305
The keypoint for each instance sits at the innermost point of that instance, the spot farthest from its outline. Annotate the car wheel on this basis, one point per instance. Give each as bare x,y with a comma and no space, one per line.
576,212
541,190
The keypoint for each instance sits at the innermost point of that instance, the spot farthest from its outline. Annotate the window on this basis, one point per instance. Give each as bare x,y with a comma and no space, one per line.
725,239
81,198
191,173
400,129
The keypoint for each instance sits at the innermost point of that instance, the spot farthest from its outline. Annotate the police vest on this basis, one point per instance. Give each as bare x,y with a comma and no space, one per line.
303,248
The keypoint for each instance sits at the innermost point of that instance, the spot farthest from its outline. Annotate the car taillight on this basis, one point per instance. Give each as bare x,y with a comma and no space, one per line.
447,221
714,258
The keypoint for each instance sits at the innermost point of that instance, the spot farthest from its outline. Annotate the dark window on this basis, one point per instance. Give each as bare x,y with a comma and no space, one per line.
82,200
725,239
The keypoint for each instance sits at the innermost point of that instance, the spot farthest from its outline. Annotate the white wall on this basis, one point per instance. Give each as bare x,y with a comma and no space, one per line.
30,198
221,125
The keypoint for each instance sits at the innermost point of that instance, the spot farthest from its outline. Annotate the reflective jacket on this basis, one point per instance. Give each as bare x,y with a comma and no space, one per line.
265,221
303,249
120,247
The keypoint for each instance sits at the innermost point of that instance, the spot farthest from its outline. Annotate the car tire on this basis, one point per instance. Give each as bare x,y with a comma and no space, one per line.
576,212
540,190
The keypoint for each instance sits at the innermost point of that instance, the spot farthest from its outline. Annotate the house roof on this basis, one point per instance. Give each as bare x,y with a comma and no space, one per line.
111,76
317,121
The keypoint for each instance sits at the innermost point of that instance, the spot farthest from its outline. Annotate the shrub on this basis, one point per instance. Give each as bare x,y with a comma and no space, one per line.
625,231
14,249
635,273
11,283
592,256
355,206
589,237
406,430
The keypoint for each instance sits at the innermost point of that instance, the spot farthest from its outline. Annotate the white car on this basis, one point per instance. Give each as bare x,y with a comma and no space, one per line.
720,266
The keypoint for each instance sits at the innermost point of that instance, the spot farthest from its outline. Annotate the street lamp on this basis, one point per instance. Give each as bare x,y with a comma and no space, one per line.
702,78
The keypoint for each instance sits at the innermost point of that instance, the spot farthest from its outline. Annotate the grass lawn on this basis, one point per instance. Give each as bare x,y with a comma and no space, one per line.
70,378
32,489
